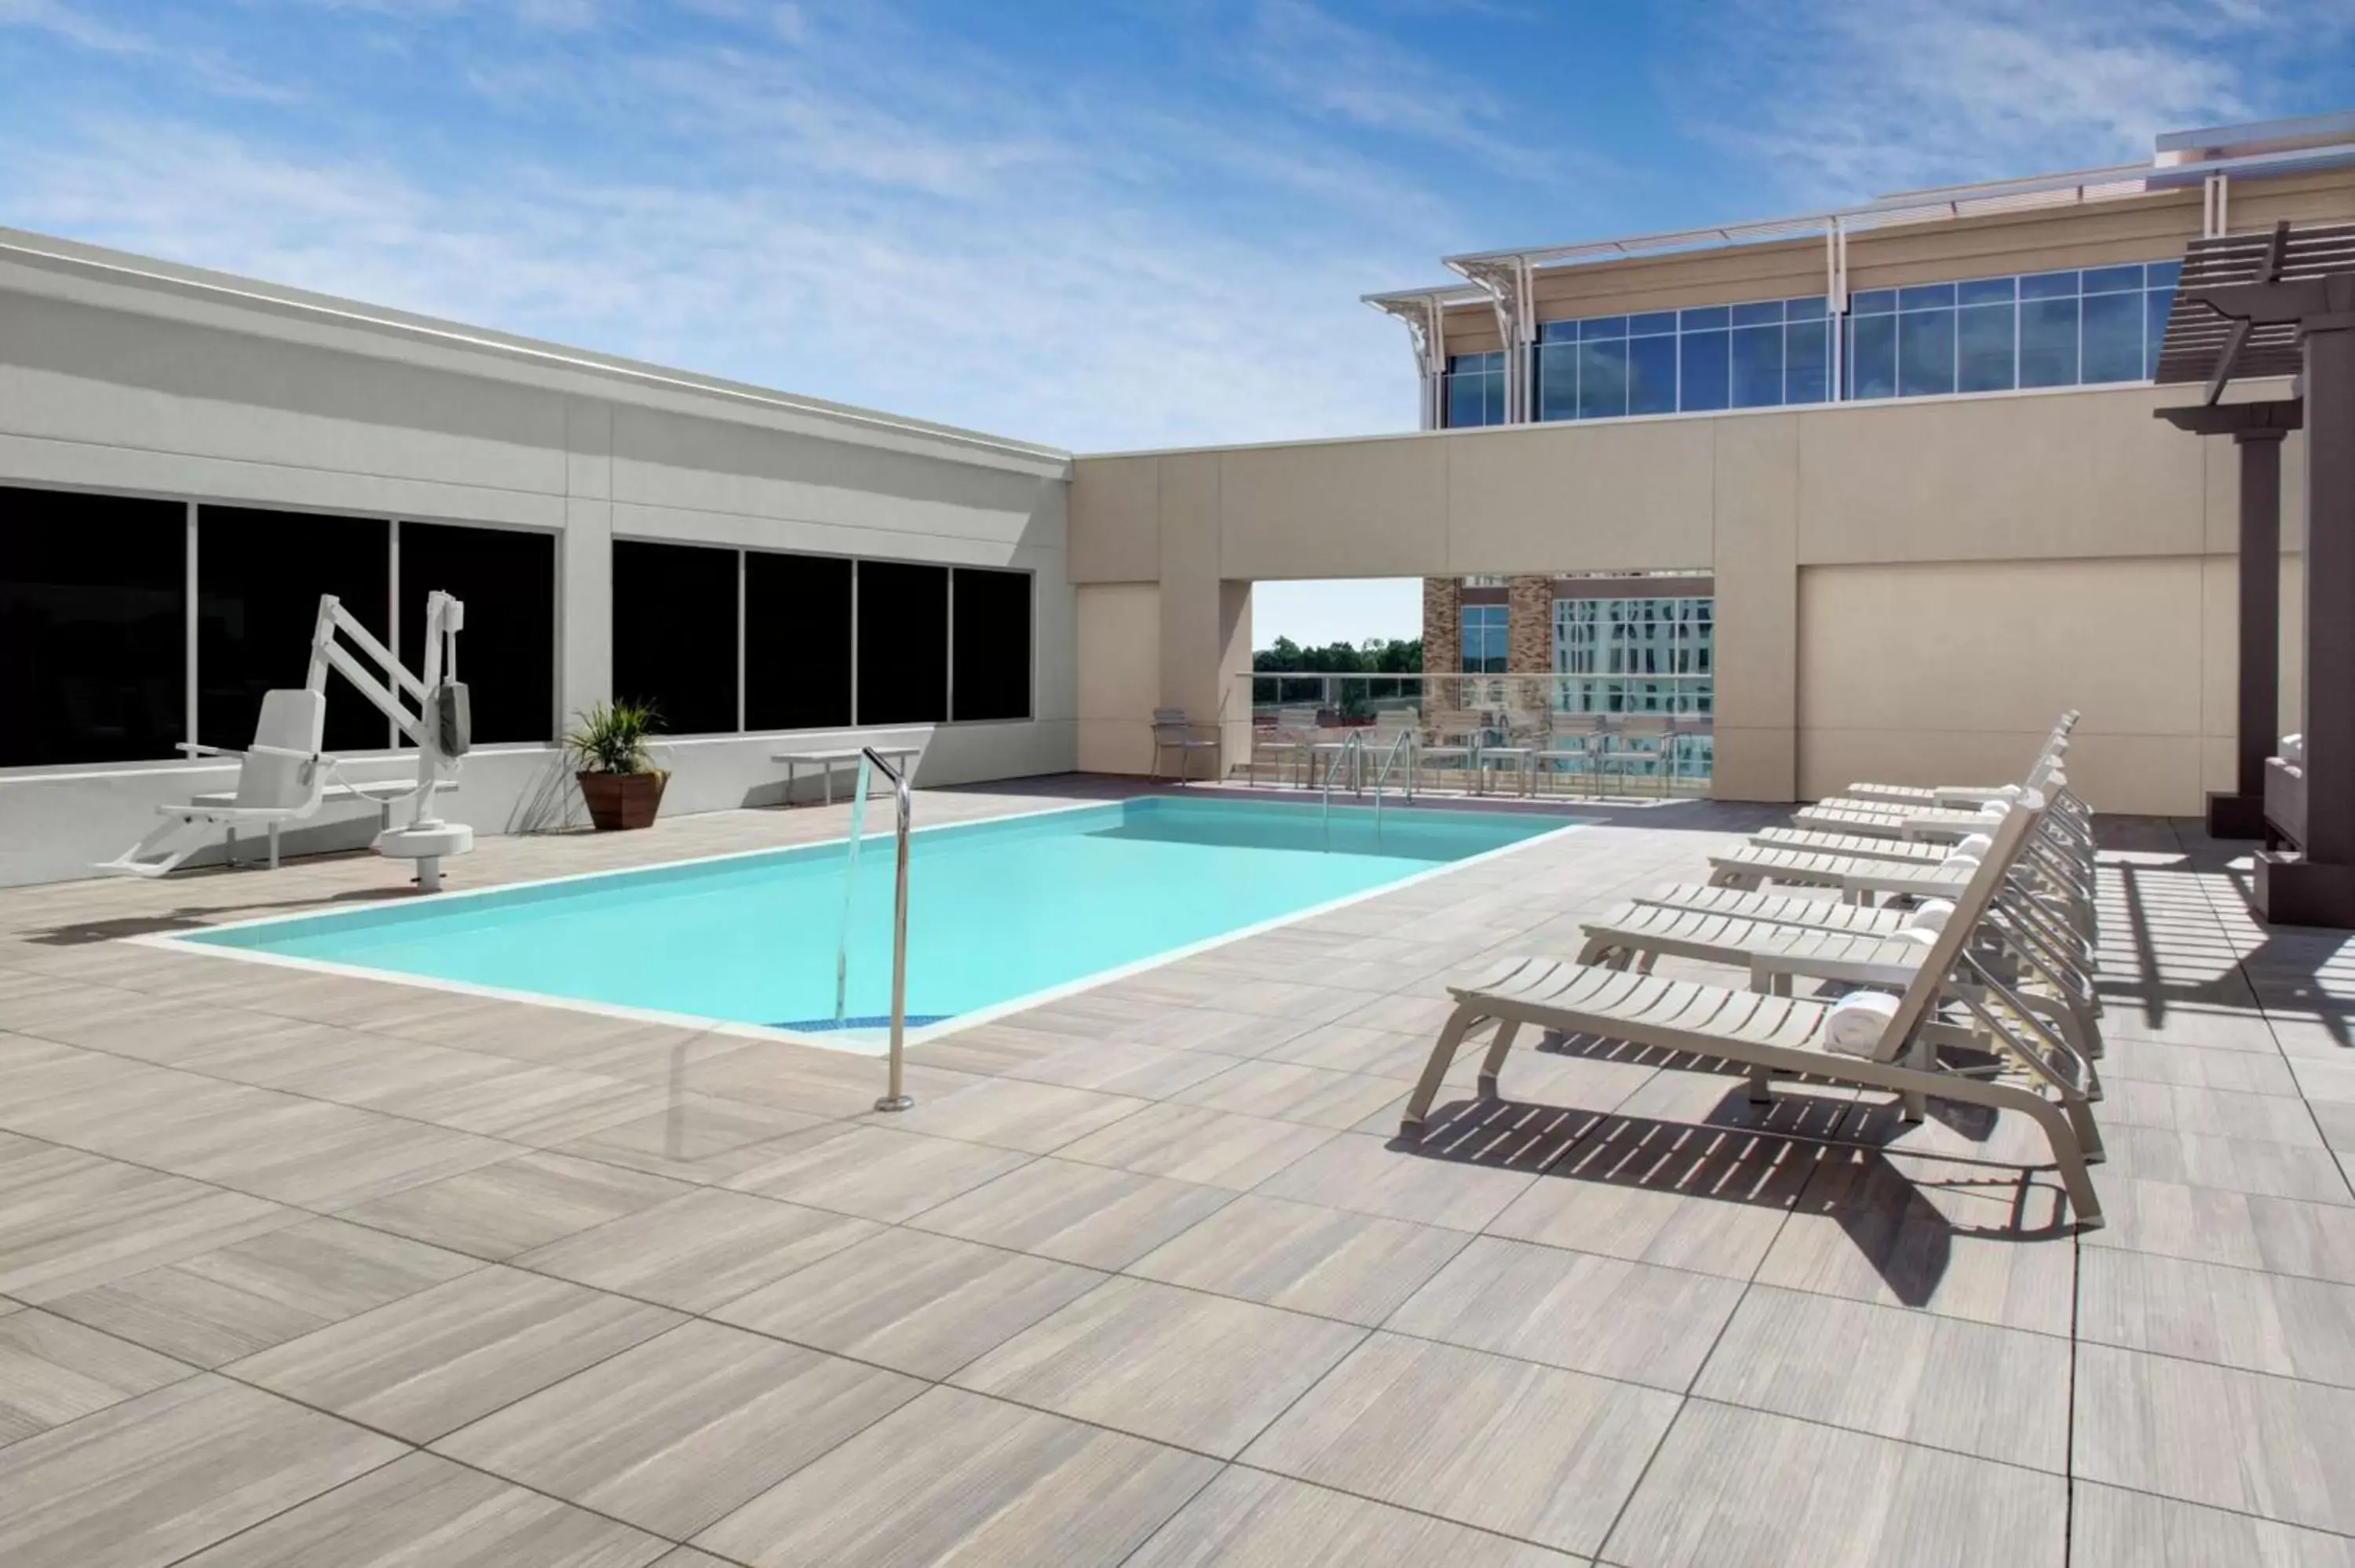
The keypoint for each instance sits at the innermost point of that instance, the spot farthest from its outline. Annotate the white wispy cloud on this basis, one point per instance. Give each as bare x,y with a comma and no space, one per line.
1841,101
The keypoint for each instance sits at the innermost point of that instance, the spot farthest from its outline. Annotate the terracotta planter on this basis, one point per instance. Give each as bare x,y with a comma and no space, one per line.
621,800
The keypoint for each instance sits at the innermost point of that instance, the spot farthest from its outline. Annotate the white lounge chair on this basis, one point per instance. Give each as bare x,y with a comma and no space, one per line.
281,778
1963,795
1900,1045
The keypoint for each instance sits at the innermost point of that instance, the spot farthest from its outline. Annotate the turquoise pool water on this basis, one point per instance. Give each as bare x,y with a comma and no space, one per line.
998,911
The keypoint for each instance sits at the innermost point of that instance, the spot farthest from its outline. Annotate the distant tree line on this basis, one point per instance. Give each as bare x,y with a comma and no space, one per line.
1348,699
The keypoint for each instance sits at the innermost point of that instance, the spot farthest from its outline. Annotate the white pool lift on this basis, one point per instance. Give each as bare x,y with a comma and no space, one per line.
284,777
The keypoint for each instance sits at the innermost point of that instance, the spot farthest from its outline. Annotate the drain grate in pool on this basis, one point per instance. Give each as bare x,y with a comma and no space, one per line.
872,1021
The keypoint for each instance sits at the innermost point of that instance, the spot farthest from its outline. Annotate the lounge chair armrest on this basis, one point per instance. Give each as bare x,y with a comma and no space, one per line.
259,750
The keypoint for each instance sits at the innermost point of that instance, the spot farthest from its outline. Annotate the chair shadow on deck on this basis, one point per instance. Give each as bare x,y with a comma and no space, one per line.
1805,1154
199,917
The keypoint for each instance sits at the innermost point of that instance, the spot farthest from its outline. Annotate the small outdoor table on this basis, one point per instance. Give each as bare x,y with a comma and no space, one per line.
827,761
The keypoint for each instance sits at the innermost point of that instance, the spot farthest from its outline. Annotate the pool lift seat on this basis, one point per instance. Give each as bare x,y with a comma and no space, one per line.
283,776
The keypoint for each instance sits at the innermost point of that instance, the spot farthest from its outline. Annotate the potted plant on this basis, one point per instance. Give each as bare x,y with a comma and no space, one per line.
617,773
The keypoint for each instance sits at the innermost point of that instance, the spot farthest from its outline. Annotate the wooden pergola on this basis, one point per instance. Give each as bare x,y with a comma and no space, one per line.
2283,304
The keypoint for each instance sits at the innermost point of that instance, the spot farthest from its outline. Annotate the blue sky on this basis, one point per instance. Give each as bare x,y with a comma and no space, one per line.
1106,226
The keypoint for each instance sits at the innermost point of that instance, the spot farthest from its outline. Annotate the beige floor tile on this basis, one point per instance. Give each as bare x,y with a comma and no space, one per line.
1199,1371
697,1251
875,1173
151,1479
1304,1258
1741,1488
694,1138
957,1477
1249,1519
2154,1423
1632,1322
1213,1029
429,1364
2280,1235
1196,1143
674,1432
1693,1198
919,1303
499,1210
1355,1048
1120,1066
2197,1067
1418,1183
2231,1316
2207,1111
1524,1450
69,1221
421,1510
2114,1529
326,1157
1032,1117
2226,1164
1088,1214
53,1371
246,1296
1289,1091
1996,1394
1896,1241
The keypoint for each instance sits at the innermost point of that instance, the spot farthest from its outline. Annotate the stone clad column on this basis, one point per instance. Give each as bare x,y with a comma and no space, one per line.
1528,638
1442,642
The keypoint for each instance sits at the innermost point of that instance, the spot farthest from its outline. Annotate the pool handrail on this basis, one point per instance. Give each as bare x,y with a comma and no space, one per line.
896,1097
1353,748
1405,742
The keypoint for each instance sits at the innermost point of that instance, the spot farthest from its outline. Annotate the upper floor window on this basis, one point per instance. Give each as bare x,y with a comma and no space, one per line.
1475,389
1994,334
1761,354
1484,640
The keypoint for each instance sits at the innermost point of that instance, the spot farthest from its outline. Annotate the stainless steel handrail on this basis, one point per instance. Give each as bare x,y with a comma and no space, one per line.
896,1098
1405,742
1353,746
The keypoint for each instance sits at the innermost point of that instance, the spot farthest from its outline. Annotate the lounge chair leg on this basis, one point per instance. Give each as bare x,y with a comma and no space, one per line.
1762,1091
1494,1063
1913,1106
2089,1136
1442,1056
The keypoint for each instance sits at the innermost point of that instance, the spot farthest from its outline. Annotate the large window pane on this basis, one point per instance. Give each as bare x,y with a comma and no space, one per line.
675,633
903,644
1706,369
991,648
1758,365
259,578
796,641
1807,361
1602,379
507,653
2112,342
1925,353
1872,356
1652,375
2156,305
1984,348
2047,341
1558,381
93,606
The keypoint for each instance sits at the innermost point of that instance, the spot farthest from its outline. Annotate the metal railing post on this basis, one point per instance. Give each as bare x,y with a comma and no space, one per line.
895,1098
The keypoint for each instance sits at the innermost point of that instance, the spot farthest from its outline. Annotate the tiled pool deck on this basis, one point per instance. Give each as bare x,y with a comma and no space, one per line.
303,1269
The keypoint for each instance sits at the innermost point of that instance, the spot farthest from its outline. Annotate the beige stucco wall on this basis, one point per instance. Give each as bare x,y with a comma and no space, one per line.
1907,590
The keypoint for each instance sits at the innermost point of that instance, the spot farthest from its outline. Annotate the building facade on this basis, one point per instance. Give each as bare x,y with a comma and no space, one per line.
1911,445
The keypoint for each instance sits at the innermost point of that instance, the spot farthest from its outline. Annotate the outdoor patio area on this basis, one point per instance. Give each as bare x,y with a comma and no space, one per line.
297,1269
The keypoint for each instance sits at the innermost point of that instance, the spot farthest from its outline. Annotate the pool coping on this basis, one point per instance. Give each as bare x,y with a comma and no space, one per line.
839,1043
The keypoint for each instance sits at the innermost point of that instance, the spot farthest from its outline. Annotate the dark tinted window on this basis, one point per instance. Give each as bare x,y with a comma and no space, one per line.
992,644
259,578
796,641
507,654
675,633
93,604
903,644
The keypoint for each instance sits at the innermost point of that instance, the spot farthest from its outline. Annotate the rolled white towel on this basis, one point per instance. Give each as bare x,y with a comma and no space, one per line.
1931,917
2010,792
2293,748
1854,1025
1976,845
1996,811
1959,866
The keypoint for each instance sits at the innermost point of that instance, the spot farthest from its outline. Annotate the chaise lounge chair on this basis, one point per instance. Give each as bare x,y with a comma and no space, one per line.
1966,796
1868,1040
281,778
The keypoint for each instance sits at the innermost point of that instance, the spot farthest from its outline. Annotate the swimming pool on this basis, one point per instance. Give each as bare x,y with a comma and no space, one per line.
1002,913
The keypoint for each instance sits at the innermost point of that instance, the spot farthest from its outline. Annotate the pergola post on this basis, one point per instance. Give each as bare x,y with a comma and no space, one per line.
2319,889
2257,430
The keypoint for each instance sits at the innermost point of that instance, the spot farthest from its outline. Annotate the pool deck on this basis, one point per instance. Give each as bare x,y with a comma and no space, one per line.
300,1269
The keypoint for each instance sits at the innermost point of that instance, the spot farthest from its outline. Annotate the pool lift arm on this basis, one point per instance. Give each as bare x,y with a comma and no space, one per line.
440,726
